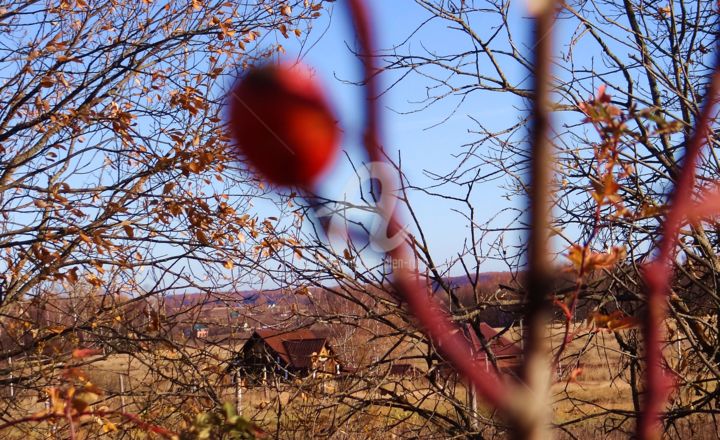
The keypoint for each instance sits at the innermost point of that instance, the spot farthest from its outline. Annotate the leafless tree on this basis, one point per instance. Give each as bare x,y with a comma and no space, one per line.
116,189
627,88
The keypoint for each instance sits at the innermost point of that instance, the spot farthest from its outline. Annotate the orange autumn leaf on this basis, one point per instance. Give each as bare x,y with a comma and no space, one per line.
56,329
606,190
649,210
583,259
574,374
616,320
80,353
74,373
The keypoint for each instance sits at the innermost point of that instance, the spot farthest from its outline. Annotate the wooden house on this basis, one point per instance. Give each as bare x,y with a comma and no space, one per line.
508,354
269,356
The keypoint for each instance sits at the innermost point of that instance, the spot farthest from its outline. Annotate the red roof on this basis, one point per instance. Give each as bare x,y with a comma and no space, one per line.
301,351
507,353
295,347
500,346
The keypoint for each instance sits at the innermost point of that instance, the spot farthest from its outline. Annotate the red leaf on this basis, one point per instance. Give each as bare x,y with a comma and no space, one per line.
574,374
80,353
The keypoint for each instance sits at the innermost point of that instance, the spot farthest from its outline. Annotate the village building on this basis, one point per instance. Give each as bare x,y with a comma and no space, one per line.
508,355
494,348
201,331
270,356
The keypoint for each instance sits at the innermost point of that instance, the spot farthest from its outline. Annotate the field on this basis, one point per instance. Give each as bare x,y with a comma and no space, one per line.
590,395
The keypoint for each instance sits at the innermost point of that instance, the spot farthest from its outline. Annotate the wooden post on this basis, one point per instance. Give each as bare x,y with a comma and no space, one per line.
474,408
265,383
238,391
12,386
122,392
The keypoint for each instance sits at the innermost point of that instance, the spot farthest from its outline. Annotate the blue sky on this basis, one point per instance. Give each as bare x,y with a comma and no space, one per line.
421,147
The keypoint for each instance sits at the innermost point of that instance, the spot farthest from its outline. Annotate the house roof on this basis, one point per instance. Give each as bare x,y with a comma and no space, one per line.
301,351
507,353
501,346
294,347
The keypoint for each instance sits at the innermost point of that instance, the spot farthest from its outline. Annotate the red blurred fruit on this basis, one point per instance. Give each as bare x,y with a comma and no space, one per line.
282,124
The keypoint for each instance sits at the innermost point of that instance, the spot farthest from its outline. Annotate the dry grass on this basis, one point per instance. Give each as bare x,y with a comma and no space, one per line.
588,401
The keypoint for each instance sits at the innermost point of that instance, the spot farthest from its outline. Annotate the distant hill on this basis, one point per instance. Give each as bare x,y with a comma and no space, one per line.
485,279
248,298
280,296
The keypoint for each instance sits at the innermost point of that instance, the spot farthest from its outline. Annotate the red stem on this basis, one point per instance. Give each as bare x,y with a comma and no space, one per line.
658,273
585,250
446,335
